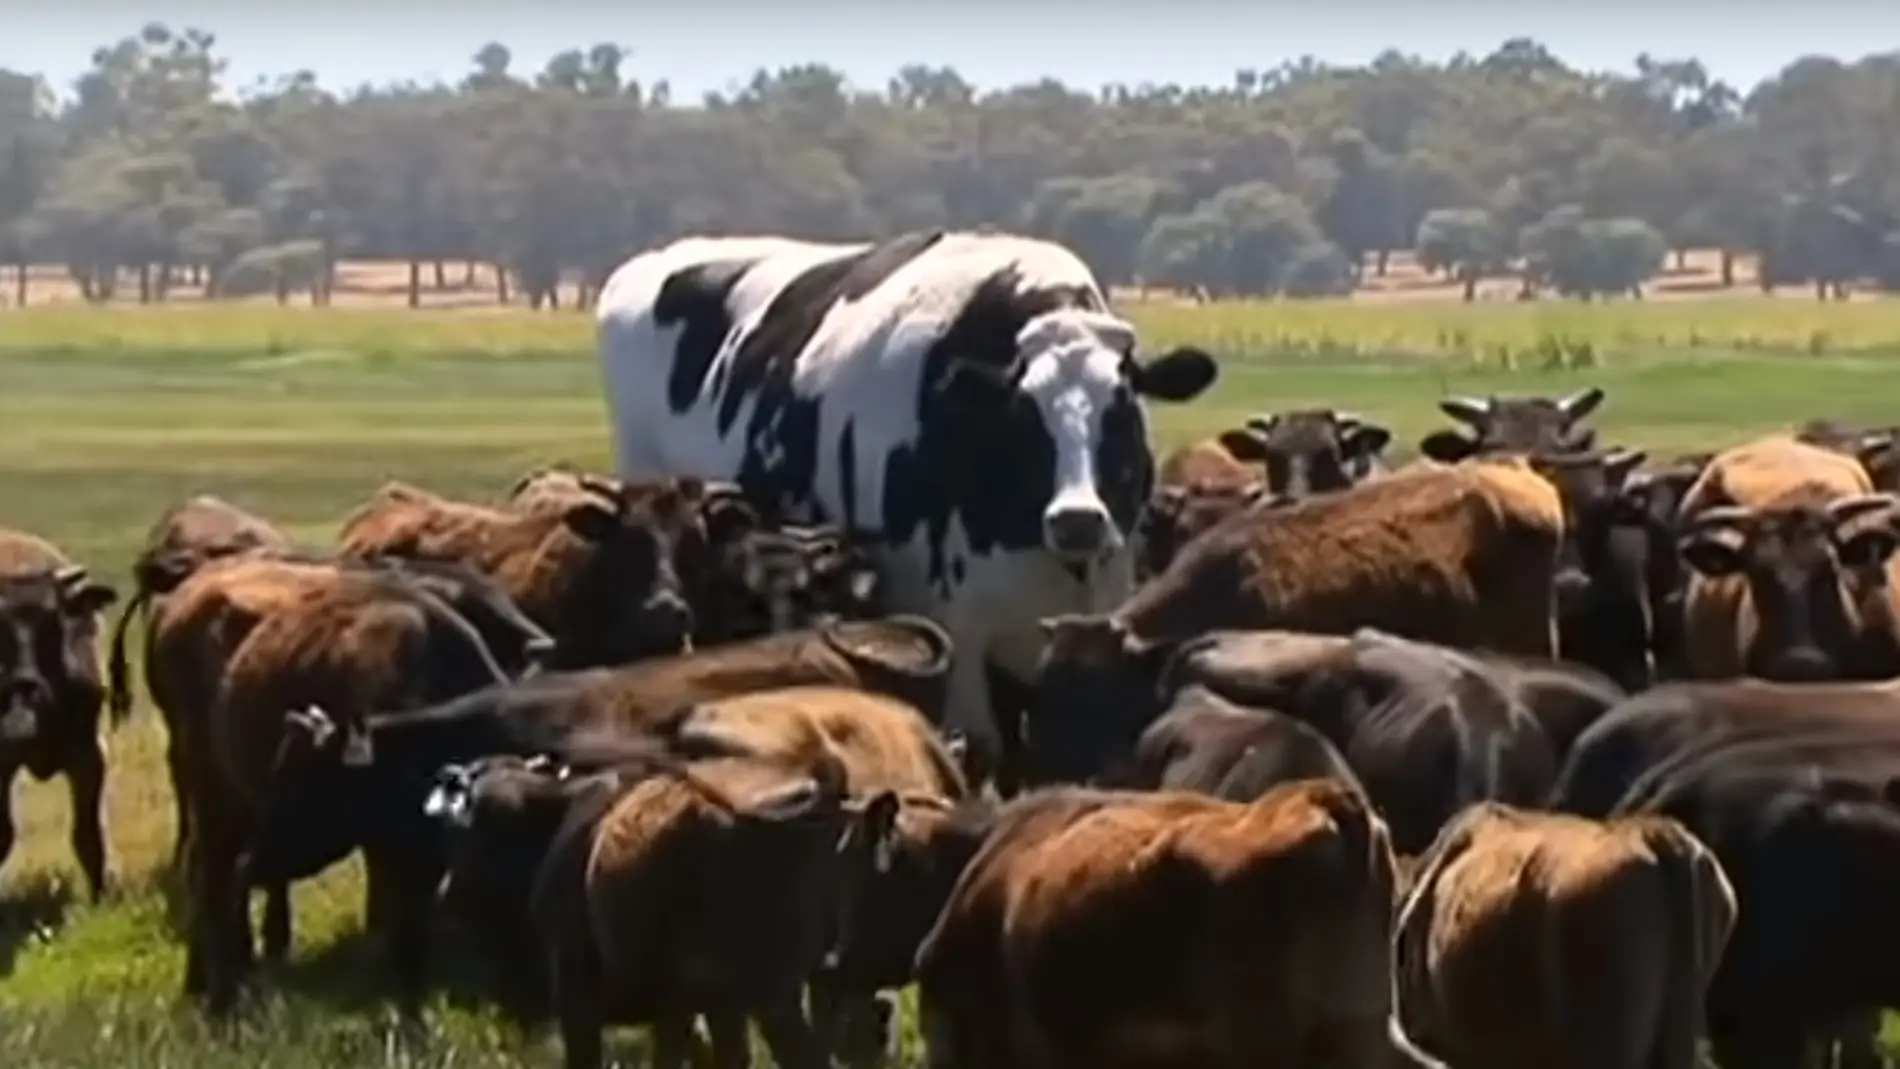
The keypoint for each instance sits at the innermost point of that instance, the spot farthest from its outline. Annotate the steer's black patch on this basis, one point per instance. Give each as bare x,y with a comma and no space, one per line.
696,296
982,457
781,451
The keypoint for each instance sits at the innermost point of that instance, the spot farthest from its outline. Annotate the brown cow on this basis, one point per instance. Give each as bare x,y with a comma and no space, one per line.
1516,424
200,529
1776,468
1538,939
715,888
555,489
609,582
1796,591
1210,463
50,691
1463,555
223,643
1878,450
1171,930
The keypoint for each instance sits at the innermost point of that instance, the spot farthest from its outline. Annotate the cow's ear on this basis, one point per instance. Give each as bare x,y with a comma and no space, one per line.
1447,446
1869,547
1244,444
592,519
90,597
1177,375
1366,439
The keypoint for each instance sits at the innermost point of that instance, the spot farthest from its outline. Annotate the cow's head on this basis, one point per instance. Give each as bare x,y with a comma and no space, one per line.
636,598
1177,515
1514,424
1590,486
49,689
1310,451
1807,570
776,581
1605,613
1095,694
1062,423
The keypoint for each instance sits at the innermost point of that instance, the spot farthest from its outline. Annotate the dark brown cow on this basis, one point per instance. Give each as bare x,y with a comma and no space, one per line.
50,691
1177,515
1463,555
772,581
1171,930
1797,591
1653,496
200,529
1537,939
1603,601
715,888
1516,424
1207,744
609,582
225,647
347,786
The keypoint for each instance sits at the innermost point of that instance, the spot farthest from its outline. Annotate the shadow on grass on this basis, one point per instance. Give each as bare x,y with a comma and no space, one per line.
32,913
353,975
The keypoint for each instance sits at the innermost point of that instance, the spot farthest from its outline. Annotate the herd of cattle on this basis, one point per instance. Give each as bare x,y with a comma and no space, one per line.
1527,751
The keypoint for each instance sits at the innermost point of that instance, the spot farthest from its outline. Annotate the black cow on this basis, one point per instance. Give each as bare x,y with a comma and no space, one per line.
1796,787
1207,744
50,689
1426,729
1515,424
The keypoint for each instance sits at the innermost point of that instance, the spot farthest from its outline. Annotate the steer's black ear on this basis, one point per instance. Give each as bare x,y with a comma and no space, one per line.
1177,375
1447,446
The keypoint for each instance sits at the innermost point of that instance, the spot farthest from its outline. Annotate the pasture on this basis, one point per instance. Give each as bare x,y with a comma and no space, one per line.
109,415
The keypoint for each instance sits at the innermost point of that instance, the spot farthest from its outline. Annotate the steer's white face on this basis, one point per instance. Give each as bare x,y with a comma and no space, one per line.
1074,373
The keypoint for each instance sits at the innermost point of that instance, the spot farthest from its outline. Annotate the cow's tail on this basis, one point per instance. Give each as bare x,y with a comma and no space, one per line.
118,669
1702,910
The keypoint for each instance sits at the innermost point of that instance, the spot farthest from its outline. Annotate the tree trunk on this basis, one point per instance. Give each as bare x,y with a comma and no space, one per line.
145,282
501,284
1385,261
1728,269
468,273
1682,259
441,276
19,284
1471,287
415,283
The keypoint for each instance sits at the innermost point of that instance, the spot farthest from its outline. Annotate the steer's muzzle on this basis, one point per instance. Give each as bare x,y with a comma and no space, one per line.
1076,532
21,703
666,619
1801,664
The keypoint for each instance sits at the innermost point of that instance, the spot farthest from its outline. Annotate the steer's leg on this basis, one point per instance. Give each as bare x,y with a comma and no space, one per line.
86,785
276,923
6,812
790,1036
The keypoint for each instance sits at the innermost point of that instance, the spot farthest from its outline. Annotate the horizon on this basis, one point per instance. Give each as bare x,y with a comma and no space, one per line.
391,46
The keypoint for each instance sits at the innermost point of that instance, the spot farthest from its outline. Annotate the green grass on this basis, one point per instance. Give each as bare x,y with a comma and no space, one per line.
107,417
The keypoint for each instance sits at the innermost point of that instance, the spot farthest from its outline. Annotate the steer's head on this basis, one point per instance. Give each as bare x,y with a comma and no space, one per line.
45,647
1805,567
1064,424
1310,451
1517,424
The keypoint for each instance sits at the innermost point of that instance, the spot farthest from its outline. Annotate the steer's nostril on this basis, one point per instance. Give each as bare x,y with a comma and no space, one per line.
1076,530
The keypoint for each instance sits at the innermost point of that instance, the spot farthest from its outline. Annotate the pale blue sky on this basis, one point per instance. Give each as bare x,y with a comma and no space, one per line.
712,44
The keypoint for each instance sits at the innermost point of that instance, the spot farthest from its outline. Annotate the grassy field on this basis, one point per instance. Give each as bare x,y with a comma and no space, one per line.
107,416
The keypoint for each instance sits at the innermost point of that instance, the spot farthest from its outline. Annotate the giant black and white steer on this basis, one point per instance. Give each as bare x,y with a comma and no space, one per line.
966,399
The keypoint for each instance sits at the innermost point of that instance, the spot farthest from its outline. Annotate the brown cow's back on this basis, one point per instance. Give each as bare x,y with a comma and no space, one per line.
1546,939
1170,929
885,744
1208,464
1777,468
23,553
1458,554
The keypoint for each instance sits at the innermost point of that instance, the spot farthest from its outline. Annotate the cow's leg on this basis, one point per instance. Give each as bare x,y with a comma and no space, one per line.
731,1047
967,711
276,923
577,998
407,892
6,812
789,1035
180,767
221,930
86,786
1768,1042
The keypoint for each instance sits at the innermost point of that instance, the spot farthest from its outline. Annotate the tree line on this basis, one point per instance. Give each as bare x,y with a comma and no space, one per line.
1296,181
